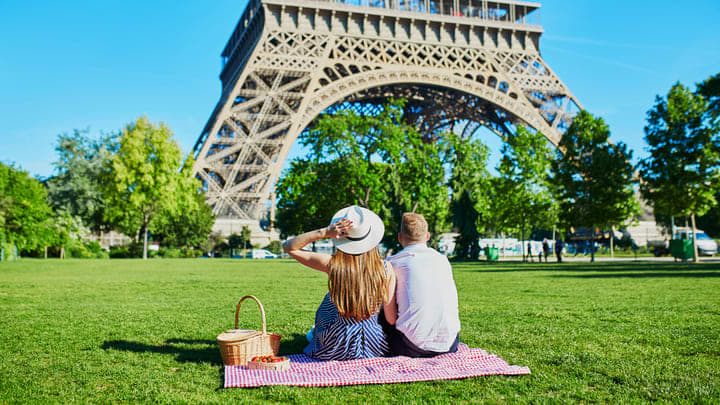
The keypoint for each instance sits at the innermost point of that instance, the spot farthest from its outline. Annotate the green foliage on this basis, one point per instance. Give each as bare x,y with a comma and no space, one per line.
193,219
144,332
592,177
376,161
274,246
143,182
76,189
523,198
710,89
309,193
470,186
25,217
710,222
242,241
682,173
209,245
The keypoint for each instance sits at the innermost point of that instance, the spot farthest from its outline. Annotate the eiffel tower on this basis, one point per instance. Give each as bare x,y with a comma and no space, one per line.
461,64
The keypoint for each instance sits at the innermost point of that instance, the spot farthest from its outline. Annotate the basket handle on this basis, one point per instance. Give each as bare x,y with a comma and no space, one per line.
262,311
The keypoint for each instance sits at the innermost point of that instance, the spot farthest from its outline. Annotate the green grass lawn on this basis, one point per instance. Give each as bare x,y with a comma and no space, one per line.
132,331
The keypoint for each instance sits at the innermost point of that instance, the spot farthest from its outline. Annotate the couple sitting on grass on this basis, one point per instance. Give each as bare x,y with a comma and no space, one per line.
406,305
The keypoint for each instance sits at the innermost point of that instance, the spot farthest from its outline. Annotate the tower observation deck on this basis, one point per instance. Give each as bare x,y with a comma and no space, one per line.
473,63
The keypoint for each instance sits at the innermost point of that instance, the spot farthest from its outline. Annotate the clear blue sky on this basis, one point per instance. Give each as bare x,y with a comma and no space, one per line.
79,64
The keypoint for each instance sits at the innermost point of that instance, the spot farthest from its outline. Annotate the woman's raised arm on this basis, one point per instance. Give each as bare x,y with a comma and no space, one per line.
314,260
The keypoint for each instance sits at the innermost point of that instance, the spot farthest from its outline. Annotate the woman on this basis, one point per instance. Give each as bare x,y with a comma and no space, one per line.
359,283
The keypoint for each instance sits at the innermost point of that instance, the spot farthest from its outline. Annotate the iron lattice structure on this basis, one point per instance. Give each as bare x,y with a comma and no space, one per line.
474,63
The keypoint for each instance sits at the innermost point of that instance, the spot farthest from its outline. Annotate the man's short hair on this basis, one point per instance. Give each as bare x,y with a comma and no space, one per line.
413,226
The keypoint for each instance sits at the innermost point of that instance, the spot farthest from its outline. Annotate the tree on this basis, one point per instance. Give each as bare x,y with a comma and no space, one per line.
470,184
592,177
193,222
710,89
24,212
523,197
67,228
309,193
143,180
682,174
372,160
76,189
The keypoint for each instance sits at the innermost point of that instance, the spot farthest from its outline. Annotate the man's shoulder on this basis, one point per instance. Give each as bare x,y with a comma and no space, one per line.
416,251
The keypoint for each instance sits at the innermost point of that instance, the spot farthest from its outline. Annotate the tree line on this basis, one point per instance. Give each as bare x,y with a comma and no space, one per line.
135,182
382,162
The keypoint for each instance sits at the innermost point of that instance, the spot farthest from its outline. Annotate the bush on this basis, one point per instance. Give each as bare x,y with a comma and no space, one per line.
192,253
120,252
77,250
93,247
170,253
275,246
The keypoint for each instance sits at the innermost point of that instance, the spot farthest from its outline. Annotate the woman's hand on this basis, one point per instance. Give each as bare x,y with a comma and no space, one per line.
339,228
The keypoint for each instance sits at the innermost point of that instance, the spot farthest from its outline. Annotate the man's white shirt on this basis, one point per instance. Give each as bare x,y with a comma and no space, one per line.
426,298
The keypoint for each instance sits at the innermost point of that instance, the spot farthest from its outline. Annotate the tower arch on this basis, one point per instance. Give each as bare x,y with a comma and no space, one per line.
289,60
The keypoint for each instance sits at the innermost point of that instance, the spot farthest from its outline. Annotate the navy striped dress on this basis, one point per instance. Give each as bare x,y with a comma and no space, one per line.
340,338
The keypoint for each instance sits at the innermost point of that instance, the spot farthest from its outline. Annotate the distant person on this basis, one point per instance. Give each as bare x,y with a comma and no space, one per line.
359,284
558,249
546,249
427,303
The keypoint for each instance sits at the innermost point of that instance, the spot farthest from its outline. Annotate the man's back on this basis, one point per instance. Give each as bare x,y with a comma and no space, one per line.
426,297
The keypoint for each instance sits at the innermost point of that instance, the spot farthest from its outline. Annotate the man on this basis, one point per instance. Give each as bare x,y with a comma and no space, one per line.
558,249
427,323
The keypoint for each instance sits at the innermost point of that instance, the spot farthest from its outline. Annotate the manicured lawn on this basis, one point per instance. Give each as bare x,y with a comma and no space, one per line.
134,331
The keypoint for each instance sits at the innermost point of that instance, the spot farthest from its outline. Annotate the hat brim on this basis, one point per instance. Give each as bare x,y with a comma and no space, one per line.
369,241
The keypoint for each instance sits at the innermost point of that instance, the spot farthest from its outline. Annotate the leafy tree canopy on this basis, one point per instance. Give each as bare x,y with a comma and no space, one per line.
76,189
710,89
372,160
592,177
470,186
143,181
24,212
682,173
523,192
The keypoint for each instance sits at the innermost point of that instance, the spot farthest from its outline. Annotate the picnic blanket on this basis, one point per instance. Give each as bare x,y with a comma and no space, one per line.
306,372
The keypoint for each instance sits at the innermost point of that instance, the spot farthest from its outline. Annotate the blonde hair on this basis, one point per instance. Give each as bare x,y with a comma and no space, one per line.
413,226
357,283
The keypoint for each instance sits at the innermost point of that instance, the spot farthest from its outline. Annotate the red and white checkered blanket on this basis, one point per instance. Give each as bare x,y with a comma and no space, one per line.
306,372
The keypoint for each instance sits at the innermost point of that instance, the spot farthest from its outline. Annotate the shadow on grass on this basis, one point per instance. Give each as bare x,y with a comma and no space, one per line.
184,350
657,268
293,344
686,274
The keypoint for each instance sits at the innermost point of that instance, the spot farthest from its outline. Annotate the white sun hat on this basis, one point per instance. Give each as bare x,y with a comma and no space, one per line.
366,233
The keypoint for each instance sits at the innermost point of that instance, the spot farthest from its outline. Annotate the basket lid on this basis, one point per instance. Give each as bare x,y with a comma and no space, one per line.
237,335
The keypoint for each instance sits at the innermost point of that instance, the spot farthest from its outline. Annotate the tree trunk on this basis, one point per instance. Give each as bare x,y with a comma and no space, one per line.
522,244
62,252
695,251
46,252
592,245
612,237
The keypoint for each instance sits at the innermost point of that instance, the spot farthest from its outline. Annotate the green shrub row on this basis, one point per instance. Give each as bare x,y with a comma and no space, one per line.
134,250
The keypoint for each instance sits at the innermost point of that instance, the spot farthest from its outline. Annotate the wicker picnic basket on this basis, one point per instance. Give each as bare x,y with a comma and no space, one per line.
238,346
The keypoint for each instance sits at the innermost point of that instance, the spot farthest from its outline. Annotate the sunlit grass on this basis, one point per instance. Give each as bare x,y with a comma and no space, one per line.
127,330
